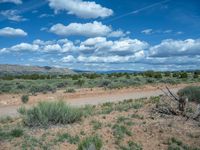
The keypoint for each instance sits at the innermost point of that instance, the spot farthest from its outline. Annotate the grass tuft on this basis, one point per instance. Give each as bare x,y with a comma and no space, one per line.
192,92
91,143
51,113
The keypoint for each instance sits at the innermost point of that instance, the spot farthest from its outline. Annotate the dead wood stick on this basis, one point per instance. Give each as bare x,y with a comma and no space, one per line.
166,94
175,98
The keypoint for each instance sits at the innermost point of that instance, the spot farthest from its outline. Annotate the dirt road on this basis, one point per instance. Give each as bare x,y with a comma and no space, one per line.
94,100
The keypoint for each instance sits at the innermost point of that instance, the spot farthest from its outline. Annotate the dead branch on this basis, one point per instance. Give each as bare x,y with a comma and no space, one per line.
175,98
166,94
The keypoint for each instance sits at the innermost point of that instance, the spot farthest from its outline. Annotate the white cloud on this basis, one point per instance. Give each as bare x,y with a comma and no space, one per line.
12,15
125,52
24,47
117,33
147,31
52,47
121,47
38,45
68,59
8,31
11,1
169,48
132,45
108,59
83,9
87,29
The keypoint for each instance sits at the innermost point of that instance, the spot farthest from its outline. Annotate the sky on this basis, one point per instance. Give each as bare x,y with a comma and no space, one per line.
101,35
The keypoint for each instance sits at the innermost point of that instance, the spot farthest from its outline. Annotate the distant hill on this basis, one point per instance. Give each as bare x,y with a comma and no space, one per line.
107,72
6,69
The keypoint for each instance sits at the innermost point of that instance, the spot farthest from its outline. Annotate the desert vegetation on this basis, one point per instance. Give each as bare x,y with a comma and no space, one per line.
34,84
146,123
124,125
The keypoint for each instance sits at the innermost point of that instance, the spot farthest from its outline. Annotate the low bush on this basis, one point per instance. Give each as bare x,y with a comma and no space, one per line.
24,99
91,143
22,110
96,124
41,88
14,133
176,144
70,90
51,113
67,137
6,119
120,131
192,92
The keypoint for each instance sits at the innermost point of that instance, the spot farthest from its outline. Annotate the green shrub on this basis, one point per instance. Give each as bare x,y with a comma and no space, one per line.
24,98
121,119
155,99
41,88
176,144
136,116
96,124
92,142
192,92
51,113
125,106
120,131
22,110
14,133
70,90
183,75
67,137
88,110
5,119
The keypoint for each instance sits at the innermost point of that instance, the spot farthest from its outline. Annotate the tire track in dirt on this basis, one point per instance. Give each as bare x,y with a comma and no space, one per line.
93,100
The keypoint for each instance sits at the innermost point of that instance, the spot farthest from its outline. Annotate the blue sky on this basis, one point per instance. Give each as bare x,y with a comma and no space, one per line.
101,34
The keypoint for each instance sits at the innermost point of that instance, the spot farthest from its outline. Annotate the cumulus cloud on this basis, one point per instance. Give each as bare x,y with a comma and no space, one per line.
87,29
178,60
132,45
120,47
8,31
68,59
100,50
93,29
12,15
21,47
170,48
11,1
83,9
38,45
117,33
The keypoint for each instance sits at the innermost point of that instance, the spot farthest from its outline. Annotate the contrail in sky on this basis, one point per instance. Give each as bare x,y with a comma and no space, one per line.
139,10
